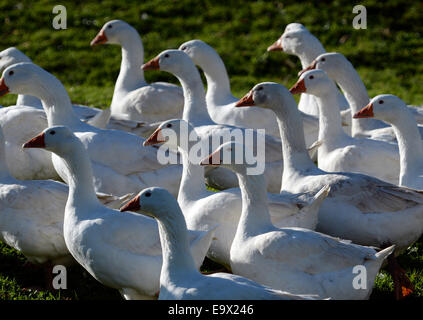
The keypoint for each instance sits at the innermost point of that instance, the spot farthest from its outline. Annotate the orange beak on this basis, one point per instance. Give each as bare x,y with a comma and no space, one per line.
299,87
3,88
100,38
153,64
277,46
155,138
312,66
212,160
36,142
366,112
246,101
132,205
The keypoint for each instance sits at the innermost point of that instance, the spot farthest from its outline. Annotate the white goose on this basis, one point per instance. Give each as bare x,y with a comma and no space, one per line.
338,151
339,69
204,209
296,259
360,208
121,250
297,40
120,163
32,212
179,277
93,116
133,96
195,112
221,102
394,111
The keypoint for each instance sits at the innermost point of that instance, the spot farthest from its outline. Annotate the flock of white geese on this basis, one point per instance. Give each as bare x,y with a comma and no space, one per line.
297,231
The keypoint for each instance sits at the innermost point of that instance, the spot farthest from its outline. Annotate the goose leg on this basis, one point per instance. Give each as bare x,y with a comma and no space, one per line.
402,284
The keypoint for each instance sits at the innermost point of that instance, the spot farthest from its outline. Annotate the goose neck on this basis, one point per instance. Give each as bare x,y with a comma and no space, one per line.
330,122
356,94
218,84
195,107
57,104
307,56
27,100
131,76
294,152
80,178
312,50
192,182
255,216
177,258
409,144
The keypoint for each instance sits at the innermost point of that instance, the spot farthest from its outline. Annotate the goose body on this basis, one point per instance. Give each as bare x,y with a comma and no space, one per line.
394,111
31,218
360,208
179,278
338,151
195,112
204,209
297,259
132,95
121,250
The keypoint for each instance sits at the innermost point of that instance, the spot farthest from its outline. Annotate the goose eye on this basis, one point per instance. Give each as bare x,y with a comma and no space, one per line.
183,48
52,132
259,88
381,102
11,73
311,77
323,59
148,194
109,26
166,55
169,125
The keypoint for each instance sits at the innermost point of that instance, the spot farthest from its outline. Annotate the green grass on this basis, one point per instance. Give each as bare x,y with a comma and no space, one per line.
388,56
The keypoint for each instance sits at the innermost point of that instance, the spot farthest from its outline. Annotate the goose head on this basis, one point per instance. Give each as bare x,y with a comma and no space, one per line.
154,202
264,95
172,61
386,107
198,51
172,132
332,63
22,78
112,32
57,139
12,56
315,82
297,40
292,41
230,155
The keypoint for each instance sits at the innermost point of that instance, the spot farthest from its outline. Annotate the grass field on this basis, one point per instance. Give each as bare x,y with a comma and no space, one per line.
388,55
